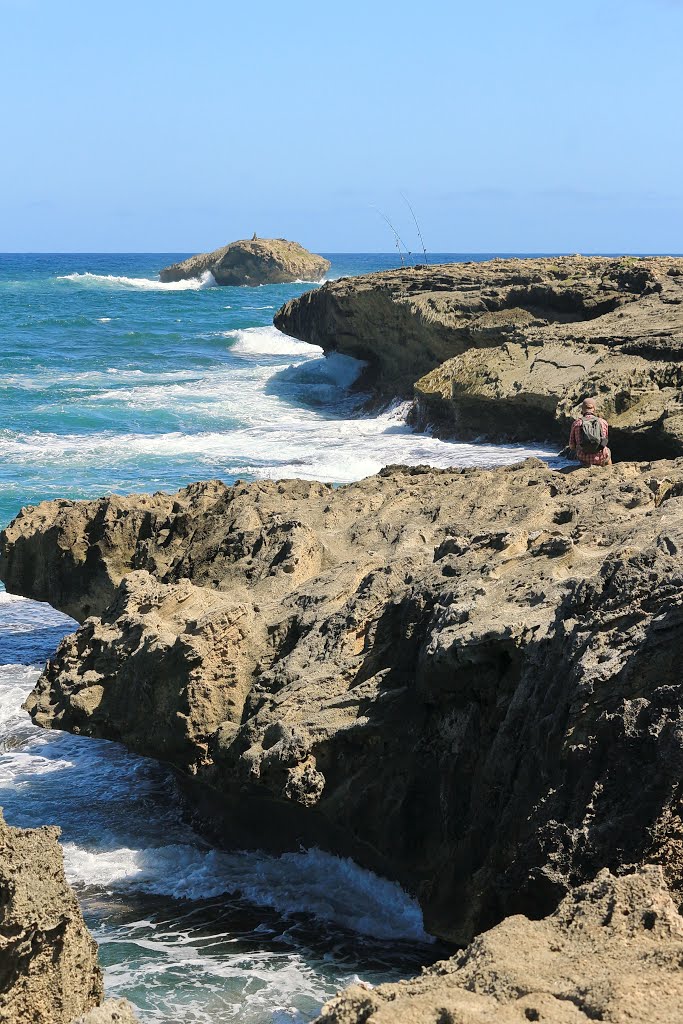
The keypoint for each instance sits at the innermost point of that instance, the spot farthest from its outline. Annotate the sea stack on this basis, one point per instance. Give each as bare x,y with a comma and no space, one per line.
253,262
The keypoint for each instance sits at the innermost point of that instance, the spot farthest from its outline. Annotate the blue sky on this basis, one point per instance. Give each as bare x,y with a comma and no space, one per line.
531,126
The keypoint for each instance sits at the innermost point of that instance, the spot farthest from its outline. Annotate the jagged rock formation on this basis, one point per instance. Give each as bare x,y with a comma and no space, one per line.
253,262
611,951
468,680
508,348
48,961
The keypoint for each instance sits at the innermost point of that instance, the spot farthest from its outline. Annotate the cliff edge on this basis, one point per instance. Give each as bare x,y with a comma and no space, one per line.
252,262
467,680
507,348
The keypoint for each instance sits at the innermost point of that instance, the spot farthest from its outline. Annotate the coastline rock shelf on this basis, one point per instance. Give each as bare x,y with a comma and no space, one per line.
610,952
468,680
252,262
49,972
507,348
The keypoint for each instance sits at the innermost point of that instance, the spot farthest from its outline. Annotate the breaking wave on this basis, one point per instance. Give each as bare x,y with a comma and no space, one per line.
329,888
268,341
142,283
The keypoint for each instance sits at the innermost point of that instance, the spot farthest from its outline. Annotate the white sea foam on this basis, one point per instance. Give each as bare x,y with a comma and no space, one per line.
206,980
339,450
268,341
43,379
142,283
312,882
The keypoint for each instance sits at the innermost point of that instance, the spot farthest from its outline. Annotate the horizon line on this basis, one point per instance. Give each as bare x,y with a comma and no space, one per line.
330,252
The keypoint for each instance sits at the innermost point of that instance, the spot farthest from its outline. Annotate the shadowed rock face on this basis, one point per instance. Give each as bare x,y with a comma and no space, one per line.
48,961
468,680
611,951
508,348
253,262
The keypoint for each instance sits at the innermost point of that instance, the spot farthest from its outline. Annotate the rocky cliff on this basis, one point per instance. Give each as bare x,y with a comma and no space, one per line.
468,680
611,951
252,262
508,348
49,972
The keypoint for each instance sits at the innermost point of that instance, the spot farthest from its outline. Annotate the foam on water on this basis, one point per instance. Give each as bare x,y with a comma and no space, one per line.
143,283
277,408
311,882
268,341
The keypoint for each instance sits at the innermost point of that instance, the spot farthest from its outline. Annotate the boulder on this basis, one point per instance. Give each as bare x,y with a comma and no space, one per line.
468,680
252,262
507,348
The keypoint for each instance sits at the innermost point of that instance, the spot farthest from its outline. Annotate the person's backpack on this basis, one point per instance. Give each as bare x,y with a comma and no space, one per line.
591,434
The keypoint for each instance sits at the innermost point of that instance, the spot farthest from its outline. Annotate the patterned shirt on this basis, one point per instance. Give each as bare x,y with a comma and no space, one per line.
599,458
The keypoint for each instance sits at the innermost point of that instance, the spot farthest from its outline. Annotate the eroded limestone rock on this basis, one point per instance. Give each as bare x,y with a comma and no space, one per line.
467,680
49,972
507,348
112,1011
611,951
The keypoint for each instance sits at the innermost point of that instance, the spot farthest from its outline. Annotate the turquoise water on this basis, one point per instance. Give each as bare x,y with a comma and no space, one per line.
111,381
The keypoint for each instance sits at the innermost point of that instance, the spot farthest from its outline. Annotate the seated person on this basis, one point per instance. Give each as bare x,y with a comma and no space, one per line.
588,437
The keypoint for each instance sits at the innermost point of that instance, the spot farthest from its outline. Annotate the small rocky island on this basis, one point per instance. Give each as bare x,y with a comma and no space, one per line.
253,262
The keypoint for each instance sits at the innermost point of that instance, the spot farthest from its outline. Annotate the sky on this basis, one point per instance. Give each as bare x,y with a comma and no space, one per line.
511,127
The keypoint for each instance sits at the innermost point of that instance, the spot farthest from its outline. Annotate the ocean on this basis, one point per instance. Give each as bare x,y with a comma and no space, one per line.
114,382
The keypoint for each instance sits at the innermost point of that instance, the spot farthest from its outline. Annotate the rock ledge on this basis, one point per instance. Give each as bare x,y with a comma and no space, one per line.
611,951
507,348
467,680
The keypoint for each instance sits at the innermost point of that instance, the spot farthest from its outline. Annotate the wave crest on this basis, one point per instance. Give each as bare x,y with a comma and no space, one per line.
268,341
331,888
147,284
